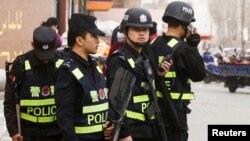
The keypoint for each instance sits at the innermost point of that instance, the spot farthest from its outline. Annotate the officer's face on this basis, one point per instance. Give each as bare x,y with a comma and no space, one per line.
90,43
138,34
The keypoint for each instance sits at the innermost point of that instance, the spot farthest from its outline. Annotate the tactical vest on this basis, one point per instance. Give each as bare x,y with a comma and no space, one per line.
161,49
37,103
140,98
94,103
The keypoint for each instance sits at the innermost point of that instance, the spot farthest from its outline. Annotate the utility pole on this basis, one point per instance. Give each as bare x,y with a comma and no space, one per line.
243,27
240,24
84,7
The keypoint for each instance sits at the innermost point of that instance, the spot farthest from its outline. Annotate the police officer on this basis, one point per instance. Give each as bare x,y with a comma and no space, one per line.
81,98
135,26
180,43
30,83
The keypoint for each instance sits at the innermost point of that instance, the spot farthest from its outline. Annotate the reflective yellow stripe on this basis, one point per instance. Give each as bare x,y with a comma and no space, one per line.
143,84
159,94
27,65
46,119
37,119
172,42
144,98
153,117
89,129
59,63
135,115
131,62
95,108
42,102
185,96
160,59
28,117
188,96
138,116
98,69
78,74
140,98
170,74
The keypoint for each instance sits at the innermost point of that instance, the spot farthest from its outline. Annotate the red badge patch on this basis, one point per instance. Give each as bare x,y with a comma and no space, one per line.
12,77
101,94
45,91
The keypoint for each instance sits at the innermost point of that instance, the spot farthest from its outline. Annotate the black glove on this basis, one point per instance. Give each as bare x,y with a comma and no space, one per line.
193,40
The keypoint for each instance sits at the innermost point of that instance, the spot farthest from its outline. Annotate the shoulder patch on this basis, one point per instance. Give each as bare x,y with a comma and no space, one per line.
122,57
172,42
20,58
120,53
68,63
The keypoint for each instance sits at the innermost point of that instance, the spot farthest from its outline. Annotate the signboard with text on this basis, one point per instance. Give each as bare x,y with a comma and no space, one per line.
17,22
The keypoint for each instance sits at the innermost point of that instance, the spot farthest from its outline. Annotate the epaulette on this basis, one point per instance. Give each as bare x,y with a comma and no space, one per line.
20,58
122,54
19,62
63,55
67,63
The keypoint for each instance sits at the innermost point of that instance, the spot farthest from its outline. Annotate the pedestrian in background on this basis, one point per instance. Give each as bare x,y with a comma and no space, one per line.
52,23
117,40
153,32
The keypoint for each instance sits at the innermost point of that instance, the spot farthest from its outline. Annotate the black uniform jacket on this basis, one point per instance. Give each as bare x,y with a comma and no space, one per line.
115,62
17,75
187,62
69,95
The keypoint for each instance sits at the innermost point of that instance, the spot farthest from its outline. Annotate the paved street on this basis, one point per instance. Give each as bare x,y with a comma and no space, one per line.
213,105
4,136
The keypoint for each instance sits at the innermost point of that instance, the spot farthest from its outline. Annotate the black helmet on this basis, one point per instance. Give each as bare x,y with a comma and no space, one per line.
179,10
136,17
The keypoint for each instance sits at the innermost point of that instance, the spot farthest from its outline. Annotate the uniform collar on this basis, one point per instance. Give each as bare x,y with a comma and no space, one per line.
169,37
79,59
132,51
35,61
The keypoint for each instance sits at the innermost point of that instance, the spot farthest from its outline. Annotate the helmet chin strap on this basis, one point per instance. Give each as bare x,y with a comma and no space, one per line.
185,28
138,44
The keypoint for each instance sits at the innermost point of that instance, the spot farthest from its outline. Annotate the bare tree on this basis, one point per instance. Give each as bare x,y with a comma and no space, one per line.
224,15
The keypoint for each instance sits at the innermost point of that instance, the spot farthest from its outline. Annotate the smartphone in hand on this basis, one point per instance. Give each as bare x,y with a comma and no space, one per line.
168,57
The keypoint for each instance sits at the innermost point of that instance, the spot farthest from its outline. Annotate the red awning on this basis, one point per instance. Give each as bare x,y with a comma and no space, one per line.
206,37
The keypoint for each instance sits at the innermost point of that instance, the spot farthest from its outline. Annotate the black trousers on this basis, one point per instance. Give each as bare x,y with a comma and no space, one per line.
42,138
180,135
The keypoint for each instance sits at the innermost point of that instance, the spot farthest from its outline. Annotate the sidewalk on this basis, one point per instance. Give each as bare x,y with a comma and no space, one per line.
4,136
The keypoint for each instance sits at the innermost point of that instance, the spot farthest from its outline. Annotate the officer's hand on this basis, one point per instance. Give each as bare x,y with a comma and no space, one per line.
129,138
164,68
193,38
17,137
108,130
